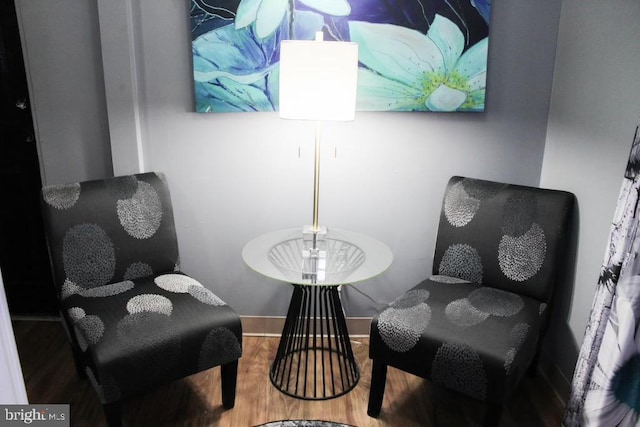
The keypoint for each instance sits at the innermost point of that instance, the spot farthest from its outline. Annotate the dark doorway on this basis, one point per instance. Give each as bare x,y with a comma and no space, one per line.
23,255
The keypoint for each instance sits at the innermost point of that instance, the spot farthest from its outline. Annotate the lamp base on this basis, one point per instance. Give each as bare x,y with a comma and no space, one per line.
314,253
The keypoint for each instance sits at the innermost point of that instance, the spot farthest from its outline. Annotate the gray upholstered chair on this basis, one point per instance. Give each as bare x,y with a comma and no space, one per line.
134,319
475,325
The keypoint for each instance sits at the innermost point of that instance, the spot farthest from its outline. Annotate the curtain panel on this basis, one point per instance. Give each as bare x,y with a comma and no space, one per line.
606,382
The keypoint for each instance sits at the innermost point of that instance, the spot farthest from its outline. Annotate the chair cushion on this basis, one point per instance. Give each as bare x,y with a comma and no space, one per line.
110,230
139,333
471,338
507,236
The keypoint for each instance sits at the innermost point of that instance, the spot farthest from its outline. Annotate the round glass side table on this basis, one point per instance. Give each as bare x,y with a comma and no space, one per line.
314,359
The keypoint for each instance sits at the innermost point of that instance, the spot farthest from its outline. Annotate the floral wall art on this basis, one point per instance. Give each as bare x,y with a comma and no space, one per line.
414,55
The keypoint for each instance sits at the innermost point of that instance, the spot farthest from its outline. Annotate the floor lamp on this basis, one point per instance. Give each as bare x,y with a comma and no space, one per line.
318,81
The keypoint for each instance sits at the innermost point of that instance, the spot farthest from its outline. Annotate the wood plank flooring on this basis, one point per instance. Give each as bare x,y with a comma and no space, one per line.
50,377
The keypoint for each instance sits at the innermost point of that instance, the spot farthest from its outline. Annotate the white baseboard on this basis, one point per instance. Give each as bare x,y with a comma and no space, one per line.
271,326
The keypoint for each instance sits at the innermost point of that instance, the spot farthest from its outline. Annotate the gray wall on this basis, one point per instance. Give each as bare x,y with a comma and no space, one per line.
122,71
234,176
594,110
66,85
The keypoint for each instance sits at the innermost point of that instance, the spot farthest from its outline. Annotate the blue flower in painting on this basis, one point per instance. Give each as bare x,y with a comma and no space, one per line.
483,7
235,71
230,72
405,70
267,15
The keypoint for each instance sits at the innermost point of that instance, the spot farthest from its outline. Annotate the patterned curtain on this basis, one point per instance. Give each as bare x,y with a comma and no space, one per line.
606,382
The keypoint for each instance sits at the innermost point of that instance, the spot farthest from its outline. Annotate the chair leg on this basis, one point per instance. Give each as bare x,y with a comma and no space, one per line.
113,413
74,349
376,392
532,370
492,414
80,368
229,375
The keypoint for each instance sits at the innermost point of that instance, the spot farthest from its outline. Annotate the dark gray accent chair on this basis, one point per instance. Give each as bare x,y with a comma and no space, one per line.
475,326
134,320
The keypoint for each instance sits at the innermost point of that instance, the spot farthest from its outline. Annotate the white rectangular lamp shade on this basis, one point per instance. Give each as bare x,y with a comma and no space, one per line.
318,80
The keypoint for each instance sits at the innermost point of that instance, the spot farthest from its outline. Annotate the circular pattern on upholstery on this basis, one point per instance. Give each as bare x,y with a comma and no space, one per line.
76,313
122,187
459,208
150,302
517,337
91,327
138,270
542,308
496,301
400,329
481,190
141,214
509,357
462,261
447,279
68,288
219,346
462,313
62,196
518,334
519,214
520,258
176,283
459,367
410,298
87,329
204,295
150,341
107,290
88,256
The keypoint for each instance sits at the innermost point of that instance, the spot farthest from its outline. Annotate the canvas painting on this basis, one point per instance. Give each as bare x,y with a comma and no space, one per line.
414,55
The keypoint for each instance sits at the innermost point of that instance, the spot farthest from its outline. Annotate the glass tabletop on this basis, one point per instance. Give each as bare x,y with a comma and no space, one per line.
350,257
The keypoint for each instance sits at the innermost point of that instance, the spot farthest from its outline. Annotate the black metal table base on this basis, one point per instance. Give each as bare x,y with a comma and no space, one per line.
314,359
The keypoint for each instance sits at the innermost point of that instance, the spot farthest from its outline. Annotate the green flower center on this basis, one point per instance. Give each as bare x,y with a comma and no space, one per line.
432,81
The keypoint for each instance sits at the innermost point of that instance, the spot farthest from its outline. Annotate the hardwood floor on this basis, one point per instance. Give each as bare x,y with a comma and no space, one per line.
50,377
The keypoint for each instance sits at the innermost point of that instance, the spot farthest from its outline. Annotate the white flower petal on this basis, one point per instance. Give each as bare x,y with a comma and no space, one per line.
396,52
449,39
445,98
246,13
378,93
474,61
270,16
